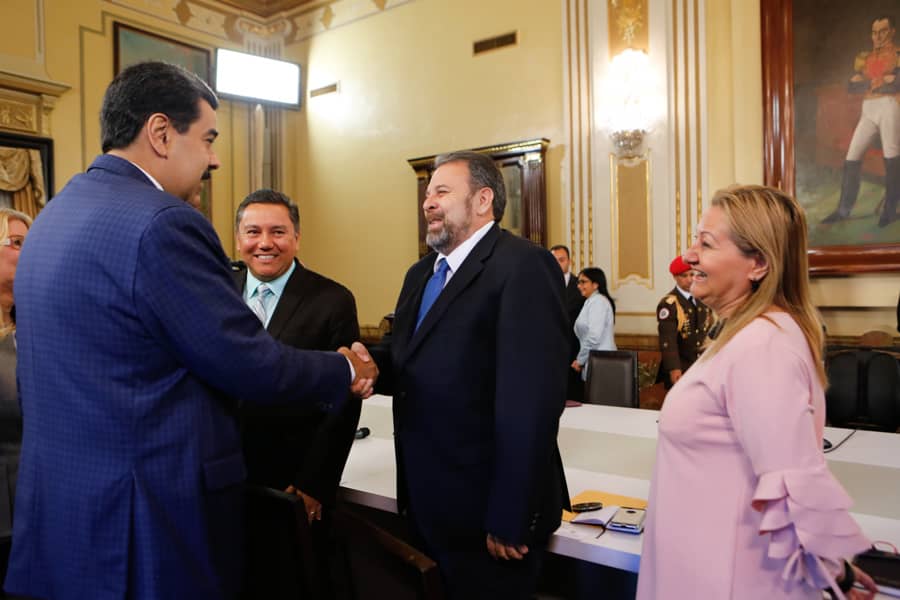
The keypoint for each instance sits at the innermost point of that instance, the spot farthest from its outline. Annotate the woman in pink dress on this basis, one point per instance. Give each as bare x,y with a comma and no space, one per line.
742,505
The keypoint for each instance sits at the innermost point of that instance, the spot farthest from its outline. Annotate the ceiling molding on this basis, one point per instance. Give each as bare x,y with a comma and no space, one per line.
268,8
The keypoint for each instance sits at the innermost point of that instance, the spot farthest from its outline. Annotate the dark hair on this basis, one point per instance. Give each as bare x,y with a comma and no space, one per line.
561,247
597,275
889,18
266,196
147,88
483,172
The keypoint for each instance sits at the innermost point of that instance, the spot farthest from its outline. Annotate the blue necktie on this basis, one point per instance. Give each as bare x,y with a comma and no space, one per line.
258,302
433,289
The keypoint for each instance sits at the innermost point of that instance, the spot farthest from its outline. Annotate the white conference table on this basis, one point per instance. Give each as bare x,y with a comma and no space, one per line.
613,449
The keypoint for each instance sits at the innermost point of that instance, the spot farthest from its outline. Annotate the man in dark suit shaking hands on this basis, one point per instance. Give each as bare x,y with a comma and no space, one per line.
477,362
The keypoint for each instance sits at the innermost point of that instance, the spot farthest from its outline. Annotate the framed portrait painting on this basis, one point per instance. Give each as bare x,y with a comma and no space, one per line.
131,46
831,89
26,172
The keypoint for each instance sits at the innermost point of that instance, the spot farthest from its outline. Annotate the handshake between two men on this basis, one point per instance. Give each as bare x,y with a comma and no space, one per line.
364,369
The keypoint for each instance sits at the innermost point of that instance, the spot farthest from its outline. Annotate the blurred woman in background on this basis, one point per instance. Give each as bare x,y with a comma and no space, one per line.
594,326
13,229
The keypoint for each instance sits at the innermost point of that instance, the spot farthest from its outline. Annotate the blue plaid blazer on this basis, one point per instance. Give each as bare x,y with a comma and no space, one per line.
133,343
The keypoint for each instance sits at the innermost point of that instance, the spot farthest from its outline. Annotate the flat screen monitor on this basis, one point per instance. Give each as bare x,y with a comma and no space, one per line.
257,79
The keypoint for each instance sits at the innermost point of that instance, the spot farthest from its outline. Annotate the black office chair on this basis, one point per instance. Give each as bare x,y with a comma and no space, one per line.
381,565
612,378
864,389
883,379
279,561
841,397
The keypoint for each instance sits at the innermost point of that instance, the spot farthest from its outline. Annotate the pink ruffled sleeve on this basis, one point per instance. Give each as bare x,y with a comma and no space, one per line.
776,406
806,514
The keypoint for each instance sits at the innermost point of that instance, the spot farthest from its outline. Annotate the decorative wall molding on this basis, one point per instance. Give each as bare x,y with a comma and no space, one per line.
26,103
235,25
578,184
687,105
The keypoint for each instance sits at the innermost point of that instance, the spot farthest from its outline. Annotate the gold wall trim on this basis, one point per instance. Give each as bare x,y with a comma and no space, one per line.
579,114
579,163
631,222
697,122
687,118
627,24
687,104
589,131
675,76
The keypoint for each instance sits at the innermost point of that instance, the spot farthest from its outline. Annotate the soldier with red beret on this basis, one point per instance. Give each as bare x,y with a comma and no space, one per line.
683,323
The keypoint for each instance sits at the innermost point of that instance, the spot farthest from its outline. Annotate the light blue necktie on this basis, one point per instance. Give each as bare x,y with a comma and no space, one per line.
258,302
433,289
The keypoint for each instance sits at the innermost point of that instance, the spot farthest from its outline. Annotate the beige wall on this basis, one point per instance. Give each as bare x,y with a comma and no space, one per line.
79,53
410,87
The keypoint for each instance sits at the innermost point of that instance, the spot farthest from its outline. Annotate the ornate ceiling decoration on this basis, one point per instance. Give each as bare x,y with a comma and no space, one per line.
267,8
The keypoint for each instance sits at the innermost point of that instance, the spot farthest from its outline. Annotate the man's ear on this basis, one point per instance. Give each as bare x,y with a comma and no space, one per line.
484,201
158,129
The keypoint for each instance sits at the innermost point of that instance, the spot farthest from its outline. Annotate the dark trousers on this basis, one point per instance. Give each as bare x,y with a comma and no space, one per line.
470,573
474,574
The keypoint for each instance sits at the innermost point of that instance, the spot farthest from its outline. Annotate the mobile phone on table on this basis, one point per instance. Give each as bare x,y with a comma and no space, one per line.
629,520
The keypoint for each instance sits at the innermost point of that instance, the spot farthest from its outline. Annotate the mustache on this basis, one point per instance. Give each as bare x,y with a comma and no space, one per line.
206,175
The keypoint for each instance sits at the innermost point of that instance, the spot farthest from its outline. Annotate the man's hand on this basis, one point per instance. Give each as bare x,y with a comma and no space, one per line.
313,506
366,371
576,366
675,375
500,549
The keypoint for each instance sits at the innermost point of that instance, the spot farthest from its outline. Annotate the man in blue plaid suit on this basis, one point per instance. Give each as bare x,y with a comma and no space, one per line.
133,344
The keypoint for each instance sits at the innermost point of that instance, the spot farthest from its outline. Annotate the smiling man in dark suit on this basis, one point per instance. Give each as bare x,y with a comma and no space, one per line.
477,359
300,447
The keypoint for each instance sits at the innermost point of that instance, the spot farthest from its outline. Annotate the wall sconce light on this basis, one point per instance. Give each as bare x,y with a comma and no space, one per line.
630,101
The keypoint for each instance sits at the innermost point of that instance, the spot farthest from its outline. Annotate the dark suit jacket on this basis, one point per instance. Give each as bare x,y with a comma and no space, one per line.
574,302
478,391
133,343
305,447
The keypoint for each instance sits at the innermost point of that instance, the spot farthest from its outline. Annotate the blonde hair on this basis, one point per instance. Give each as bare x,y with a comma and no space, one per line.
7,215
767,222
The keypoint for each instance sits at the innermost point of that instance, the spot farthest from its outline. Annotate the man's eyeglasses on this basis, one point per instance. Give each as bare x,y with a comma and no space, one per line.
15,241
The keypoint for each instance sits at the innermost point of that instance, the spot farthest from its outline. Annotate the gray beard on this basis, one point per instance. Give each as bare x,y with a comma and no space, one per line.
440,241
447,239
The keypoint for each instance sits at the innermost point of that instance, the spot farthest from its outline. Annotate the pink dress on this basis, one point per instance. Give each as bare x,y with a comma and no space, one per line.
740,455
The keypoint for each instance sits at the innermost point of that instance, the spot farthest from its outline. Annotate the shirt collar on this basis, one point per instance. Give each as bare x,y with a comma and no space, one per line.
686,295
148,175
276,285
455,259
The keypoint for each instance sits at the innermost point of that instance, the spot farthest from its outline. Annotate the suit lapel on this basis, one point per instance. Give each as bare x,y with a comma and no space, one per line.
294,291
468,271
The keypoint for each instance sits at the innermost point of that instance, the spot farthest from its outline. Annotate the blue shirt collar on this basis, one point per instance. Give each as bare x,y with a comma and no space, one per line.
276,285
